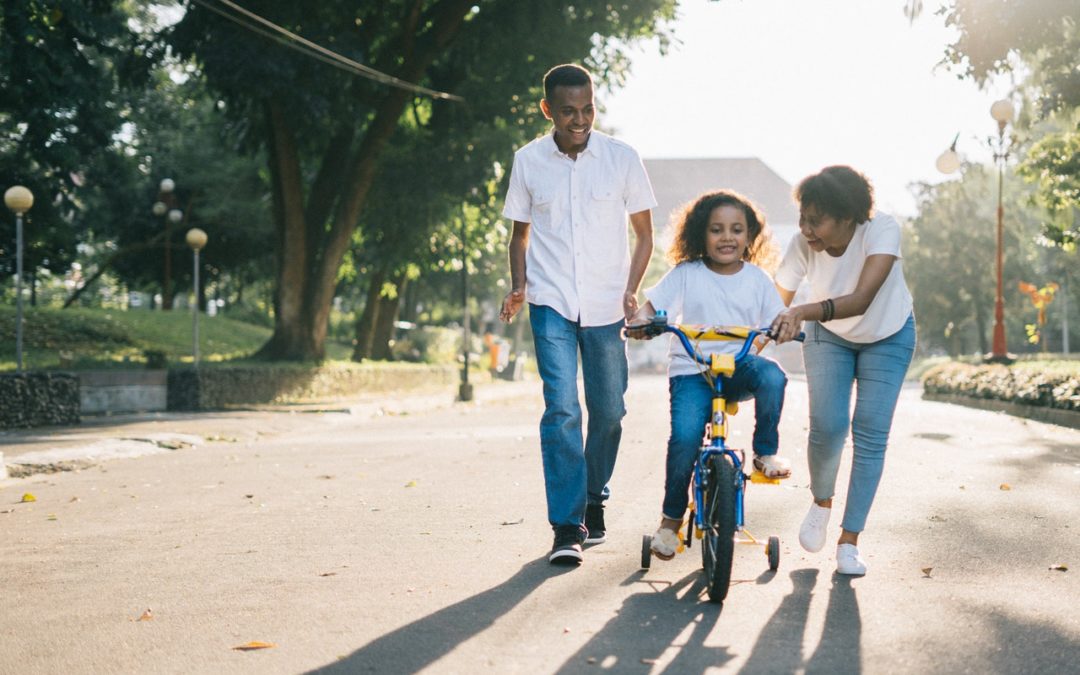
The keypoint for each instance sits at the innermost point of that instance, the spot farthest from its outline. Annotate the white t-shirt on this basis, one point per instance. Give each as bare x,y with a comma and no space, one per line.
578,258
831,277
692,293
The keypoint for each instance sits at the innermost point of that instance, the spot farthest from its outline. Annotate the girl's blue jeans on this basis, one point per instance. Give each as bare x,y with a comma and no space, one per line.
576,473
877,370
691,408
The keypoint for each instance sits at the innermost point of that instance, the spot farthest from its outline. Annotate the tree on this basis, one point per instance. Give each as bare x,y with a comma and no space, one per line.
949,261
1042,36
63,65
326,131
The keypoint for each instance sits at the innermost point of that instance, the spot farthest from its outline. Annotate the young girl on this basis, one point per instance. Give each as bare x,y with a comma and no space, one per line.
718,238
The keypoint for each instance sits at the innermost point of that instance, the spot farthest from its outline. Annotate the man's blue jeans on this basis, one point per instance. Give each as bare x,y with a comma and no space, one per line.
691,407
576,473
877,370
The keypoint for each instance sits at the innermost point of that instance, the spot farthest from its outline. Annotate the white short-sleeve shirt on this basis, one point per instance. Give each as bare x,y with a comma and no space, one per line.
578,257
830,277
692,293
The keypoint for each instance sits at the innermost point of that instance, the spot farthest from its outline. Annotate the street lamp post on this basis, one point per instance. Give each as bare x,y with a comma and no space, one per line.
196,239
948,162
465,391
19,200
1002,111
163,208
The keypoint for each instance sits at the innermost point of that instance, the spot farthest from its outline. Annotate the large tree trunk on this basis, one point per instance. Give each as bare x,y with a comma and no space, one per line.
309,253
365,325
384,325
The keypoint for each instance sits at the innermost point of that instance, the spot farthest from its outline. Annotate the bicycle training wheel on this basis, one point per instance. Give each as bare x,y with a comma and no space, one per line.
718,544
646,551
772,550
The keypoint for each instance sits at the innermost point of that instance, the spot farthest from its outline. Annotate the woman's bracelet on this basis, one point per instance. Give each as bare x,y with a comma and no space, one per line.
828,308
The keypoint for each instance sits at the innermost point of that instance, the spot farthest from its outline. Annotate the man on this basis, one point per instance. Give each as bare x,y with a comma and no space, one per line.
569,195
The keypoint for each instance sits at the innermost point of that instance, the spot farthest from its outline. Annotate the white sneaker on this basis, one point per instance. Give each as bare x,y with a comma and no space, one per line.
814,525
848,560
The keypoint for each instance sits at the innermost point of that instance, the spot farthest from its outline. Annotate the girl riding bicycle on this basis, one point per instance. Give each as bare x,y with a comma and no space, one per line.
718,239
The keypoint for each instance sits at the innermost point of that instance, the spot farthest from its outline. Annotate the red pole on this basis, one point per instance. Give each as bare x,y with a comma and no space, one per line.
999,351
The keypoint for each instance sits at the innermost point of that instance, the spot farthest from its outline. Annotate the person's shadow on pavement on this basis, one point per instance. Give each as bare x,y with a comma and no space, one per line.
840,648
779,645
647,625
424,641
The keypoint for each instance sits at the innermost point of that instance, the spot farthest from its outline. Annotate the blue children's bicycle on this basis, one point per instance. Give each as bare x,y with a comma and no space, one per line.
717,511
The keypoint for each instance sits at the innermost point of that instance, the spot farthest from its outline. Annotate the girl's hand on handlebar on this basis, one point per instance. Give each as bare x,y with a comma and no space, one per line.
786,326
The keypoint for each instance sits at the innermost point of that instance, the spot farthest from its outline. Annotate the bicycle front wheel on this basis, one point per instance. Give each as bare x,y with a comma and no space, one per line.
718,511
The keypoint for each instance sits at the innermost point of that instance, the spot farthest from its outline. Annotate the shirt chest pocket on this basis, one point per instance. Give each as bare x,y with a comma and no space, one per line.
605,192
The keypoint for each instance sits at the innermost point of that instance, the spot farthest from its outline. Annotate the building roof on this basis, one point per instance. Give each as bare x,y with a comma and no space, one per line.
677,181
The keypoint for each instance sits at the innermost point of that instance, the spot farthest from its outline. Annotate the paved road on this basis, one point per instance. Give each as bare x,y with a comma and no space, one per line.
415,539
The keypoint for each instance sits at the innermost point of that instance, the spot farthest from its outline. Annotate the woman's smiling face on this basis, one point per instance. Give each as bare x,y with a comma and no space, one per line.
824,232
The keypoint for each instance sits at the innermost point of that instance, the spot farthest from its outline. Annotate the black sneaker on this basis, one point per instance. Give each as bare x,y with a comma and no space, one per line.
567,547
594,523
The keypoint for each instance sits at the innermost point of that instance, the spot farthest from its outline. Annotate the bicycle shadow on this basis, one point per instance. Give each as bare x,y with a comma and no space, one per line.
649,624
779,645
417,645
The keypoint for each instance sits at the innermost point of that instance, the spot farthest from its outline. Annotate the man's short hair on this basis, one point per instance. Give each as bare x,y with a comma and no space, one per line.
566,75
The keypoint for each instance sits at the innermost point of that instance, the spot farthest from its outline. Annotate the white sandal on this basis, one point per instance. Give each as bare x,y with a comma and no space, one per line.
772,466
665,543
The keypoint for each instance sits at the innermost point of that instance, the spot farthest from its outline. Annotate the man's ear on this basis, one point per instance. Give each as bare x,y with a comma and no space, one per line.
545,108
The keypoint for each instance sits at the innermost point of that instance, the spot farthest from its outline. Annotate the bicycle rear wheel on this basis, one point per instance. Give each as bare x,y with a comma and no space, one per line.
718,544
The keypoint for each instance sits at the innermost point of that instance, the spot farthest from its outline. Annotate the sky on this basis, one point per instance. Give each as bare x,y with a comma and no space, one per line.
803,84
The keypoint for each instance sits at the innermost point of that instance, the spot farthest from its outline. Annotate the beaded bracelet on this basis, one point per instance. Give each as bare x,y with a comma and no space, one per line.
827,310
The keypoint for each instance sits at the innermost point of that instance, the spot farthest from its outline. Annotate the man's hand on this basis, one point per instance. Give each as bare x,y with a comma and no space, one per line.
638,331
512,304
629,305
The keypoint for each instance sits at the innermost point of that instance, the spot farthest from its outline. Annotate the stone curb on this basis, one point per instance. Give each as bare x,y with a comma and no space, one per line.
1065,418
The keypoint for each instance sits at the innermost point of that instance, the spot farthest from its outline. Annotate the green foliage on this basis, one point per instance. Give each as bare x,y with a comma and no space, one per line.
949,261
63,64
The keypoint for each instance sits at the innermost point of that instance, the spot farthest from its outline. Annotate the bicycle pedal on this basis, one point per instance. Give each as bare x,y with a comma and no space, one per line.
758,477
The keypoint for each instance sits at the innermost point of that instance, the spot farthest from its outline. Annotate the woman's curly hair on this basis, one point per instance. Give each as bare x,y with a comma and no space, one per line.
692,222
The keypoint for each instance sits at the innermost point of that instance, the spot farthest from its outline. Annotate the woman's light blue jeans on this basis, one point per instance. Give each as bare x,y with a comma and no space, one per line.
877,370
691,407
577,473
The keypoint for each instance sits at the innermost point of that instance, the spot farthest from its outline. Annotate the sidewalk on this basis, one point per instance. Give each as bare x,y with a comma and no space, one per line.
99,438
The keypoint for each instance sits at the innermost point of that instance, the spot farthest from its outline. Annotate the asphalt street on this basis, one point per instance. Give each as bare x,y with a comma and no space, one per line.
409,534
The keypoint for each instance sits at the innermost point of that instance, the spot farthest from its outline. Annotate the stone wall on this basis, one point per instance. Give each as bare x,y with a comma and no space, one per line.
38,399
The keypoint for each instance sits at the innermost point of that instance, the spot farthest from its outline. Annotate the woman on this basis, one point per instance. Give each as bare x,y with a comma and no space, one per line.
862,331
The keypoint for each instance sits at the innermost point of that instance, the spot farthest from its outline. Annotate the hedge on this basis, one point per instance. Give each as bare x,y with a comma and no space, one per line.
1050,384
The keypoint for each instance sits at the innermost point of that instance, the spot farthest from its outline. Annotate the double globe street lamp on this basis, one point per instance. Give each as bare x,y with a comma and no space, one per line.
1003,113
164,207
19,200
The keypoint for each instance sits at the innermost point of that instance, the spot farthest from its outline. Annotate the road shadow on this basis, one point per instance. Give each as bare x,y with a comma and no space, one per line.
648,624
840,648
417,645
779,645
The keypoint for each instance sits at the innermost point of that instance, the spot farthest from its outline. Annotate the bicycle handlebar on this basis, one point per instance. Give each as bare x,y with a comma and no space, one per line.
659,325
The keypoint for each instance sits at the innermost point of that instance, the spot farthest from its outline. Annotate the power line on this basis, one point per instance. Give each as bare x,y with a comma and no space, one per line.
309,48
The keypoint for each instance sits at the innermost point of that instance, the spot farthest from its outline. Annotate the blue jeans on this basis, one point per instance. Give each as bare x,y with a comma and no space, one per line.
877,370
691,408
576,473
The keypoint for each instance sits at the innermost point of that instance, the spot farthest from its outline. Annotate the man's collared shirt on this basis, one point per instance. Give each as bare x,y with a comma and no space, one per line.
578,257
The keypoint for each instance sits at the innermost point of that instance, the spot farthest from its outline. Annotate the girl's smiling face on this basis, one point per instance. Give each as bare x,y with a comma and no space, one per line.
726,239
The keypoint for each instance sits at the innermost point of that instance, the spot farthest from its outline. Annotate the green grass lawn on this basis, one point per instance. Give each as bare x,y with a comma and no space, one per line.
101,338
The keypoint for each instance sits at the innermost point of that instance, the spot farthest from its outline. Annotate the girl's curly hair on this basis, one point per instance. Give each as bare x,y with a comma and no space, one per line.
692,222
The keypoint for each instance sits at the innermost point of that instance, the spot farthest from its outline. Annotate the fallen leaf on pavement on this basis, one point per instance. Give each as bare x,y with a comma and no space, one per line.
1059,567
514,522
411,483
327,574
73,500
52,516
926,571
1004,486
325,477
250,646
27,497
146,616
